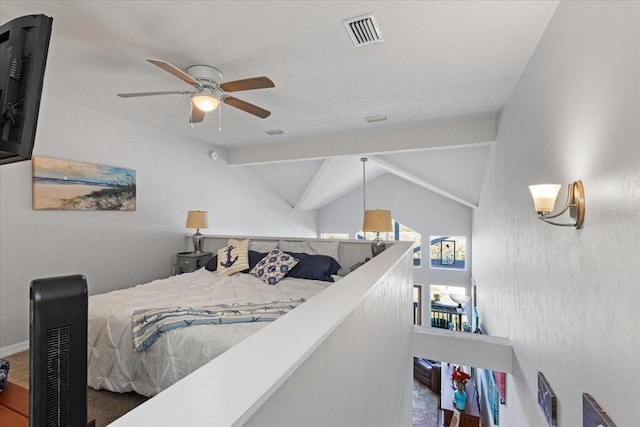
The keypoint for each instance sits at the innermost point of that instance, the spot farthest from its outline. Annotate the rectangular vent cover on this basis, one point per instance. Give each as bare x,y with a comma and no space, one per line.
363,30
58,377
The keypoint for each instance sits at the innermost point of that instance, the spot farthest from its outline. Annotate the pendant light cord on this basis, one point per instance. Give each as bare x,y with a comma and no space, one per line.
364,185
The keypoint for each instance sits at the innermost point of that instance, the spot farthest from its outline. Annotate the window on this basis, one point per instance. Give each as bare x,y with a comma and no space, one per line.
417,304
343,236
448,252
402,233
444,311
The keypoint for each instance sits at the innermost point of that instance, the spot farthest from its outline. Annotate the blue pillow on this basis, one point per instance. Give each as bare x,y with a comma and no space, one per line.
254,258
314,267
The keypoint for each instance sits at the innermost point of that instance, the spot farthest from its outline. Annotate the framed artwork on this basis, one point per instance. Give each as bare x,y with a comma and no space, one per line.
547,401
447,252
70,185
501,384
592,413
494,396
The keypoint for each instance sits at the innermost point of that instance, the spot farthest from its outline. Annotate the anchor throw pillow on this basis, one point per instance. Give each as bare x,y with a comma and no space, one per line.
234,257
274,266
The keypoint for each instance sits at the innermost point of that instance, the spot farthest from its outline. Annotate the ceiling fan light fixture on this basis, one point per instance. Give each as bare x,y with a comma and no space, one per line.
205,102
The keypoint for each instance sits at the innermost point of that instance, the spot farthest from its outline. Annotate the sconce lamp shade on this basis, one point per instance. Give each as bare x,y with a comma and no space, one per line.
198,219
377,221
544,196
205,102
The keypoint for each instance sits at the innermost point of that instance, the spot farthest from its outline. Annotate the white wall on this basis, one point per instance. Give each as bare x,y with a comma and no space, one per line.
568,299
117,249
422,210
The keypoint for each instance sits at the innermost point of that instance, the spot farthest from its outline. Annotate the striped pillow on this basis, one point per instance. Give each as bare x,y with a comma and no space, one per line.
234,257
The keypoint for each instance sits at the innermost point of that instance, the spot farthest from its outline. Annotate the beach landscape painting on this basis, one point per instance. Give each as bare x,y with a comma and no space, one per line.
71,185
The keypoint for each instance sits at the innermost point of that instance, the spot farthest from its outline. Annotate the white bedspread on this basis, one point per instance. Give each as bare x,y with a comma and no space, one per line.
113,365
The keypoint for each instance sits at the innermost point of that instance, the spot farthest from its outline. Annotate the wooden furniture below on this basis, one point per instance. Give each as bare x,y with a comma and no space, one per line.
14,407
188,262
470,417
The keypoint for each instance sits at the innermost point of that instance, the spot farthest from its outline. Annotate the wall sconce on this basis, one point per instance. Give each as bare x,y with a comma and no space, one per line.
544,199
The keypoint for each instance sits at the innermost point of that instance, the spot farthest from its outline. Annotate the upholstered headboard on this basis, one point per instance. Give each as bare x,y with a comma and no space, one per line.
349,252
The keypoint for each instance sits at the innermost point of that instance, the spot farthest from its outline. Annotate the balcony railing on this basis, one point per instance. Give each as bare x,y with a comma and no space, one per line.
447,317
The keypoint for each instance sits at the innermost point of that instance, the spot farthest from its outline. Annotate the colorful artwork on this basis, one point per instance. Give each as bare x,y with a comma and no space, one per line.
493,395
501,384
65,184
547,401
592,413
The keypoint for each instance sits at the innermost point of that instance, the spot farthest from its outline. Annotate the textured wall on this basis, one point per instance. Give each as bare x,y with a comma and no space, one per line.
118,249
567,299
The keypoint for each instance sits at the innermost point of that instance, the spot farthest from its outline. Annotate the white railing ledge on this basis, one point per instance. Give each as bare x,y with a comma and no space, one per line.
480,351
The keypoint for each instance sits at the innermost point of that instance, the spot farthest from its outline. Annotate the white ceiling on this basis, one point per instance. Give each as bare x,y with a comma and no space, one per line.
439,60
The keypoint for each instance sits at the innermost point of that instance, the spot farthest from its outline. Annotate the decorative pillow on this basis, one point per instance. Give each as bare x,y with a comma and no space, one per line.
274,266
254,258
314,267
233,258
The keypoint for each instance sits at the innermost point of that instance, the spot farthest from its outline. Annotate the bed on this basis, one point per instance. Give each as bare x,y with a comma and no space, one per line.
114,365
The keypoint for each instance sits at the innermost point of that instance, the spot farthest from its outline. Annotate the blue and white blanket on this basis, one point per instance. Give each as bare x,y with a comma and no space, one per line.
150,324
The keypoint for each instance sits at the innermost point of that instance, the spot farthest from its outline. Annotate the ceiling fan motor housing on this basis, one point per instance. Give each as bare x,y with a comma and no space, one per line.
205,74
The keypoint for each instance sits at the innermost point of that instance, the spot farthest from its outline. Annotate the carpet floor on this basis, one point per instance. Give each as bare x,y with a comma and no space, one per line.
106,406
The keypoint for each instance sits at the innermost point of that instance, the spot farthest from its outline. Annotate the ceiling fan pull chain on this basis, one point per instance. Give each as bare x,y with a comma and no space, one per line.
220,118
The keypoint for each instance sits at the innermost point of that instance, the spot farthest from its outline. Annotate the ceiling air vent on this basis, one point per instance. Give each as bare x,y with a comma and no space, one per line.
363,30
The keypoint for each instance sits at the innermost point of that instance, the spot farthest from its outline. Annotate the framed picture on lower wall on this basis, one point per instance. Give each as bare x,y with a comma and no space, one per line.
592,413
547,401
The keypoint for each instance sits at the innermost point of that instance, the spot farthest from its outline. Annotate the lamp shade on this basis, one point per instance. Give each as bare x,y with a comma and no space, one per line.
544,196
377,221
205,102
198,219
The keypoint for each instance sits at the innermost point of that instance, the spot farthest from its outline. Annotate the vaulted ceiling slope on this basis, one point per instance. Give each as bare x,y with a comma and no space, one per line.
442,72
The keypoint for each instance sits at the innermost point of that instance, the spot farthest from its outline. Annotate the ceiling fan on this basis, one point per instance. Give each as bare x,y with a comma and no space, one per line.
209,90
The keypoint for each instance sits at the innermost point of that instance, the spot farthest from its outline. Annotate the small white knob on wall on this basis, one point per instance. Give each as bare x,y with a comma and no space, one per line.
213,155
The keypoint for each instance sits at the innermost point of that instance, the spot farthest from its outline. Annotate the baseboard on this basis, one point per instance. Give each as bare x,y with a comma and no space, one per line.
13,349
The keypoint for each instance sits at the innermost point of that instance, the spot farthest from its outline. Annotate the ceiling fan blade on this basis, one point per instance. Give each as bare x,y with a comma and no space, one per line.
197,115
246,84
170,92
245,106
175,71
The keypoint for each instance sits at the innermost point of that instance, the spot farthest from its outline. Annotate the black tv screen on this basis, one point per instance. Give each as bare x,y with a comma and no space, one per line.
24,44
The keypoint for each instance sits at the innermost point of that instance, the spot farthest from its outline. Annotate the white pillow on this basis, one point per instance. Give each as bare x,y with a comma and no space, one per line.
311,247
289,246
325,248
262,245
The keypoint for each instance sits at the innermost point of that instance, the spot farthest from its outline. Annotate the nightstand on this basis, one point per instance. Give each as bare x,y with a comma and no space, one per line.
188,262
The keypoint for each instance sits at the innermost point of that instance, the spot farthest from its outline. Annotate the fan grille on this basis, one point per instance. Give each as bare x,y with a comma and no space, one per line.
363,30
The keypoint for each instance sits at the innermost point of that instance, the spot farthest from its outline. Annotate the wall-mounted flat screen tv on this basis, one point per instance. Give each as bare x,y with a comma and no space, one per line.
24,44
